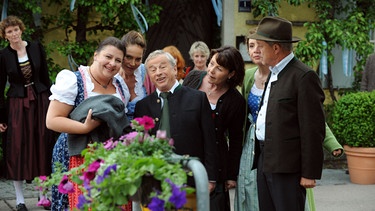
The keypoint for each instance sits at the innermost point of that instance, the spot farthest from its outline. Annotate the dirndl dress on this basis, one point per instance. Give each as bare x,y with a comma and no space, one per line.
28,142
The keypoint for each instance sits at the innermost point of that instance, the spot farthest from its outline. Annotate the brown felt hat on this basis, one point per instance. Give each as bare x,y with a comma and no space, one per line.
274,29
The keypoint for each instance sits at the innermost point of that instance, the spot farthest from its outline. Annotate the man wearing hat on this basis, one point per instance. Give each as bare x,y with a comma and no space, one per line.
290,127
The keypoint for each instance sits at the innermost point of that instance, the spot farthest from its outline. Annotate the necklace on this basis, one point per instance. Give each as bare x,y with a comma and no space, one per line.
104,86
210,89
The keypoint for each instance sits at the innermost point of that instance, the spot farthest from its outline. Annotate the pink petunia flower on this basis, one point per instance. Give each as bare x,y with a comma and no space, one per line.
148,122
161,134
43,178
65,186
45,202
171,142
131,136
110,144
91,171
145,121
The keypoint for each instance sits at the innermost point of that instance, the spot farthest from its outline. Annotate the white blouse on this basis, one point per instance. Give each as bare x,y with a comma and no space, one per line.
65,89
139,89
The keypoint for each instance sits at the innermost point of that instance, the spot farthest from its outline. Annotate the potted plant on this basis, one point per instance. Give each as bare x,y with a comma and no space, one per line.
137,167
353,123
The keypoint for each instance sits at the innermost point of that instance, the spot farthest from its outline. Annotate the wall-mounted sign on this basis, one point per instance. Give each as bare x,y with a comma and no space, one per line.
244,5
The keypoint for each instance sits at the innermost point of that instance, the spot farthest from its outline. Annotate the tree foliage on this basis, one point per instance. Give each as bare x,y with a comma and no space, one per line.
85,23
340,23
89,19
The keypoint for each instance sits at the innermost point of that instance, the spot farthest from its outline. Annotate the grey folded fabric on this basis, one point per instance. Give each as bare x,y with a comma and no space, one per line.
107,108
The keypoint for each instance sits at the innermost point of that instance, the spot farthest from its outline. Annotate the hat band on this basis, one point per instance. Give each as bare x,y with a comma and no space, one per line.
271,37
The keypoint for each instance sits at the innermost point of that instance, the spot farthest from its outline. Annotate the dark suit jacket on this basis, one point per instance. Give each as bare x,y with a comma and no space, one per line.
10,70
295,123
192,127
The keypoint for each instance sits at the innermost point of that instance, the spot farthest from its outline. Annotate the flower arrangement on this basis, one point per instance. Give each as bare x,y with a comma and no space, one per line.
117,171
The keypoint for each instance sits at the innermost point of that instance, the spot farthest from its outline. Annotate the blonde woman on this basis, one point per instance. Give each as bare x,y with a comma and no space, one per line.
199,54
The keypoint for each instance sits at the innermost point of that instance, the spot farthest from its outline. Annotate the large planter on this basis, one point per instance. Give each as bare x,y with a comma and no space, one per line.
361,164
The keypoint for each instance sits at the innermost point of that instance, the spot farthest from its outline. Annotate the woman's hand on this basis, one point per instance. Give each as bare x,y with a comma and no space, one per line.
337,152
58,119
90,123
3,127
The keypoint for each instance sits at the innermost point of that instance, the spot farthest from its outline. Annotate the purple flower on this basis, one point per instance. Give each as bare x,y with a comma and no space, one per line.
178,197
82,201
156,204
107,171
88,187
65,186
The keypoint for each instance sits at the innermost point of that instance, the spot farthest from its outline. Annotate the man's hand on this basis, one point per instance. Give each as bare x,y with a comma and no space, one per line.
307,183
211,186
230,184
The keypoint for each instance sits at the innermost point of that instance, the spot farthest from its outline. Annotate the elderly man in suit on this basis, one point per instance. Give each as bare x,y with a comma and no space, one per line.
190,123
290,128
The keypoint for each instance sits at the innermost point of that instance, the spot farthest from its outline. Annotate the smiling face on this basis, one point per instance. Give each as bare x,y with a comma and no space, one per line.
108,61
133,58
161,72
13,34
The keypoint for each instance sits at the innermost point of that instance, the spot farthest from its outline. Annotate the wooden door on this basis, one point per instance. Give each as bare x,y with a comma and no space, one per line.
183,22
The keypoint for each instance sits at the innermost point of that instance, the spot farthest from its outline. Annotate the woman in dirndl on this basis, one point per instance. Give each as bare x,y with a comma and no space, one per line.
27,143
69,91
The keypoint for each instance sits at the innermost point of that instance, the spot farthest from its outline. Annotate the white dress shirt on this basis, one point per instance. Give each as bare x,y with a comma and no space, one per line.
261,120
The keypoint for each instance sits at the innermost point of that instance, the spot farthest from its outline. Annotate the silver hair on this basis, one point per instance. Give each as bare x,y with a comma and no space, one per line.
199,46
156,53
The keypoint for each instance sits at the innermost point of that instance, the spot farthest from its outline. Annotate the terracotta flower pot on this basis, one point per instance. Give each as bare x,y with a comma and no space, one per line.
361,164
